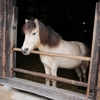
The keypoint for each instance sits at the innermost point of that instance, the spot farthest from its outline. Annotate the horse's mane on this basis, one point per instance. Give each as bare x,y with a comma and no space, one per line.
47,35
30,25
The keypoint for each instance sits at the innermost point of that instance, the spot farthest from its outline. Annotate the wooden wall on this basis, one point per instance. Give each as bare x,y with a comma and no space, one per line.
8,36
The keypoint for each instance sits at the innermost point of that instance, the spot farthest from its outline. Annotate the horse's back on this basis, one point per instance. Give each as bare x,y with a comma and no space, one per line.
74,48
83,48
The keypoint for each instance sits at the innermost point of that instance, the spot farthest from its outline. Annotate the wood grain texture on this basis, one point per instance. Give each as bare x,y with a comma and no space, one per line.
43,90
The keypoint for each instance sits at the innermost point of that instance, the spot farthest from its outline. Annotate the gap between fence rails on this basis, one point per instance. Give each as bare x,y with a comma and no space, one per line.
57,54
69,81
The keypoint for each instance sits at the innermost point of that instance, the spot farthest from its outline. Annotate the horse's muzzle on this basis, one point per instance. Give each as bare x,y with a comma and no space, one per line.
25,51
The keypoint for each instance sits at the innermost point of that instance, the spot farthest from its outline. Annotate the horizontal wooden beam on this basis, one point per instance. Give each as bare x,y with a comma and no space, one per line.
57,54
65,80
42,89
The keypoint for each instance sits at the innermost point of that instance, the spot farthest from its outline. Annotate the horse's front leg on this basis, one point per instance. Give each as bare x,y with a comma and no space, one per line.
54,73
47,71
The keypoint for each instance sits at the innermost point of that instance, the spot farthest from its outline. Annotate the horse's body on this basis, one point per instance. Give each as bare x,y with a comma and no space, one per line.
37,35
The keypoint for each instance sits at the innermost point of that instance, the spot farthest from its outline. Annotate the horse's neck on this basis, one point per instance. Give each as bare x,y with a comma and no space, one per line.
43,47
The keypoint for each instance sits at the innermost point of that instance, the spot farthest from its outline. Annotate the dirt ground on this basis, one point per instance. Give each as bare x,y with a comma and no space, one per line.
5,95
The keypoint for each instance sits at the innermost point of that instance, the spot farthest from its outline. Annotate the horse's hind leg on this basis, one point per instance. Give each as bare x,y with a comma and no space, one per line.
84,72
84,68
79,73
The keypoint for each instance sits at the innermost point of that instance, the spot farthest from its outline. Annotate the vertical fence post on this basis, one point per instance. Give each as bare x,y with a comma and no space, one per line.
2,37
11,27
8,36
98,83
92,80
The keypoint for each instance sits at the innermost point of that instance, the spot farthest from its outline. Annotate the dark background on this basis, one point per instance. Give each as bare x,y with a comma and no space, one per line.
65,16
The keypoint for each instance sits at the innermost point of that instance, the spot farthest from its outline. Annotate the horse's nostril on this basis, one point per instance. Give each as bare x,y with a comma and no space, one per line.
26,49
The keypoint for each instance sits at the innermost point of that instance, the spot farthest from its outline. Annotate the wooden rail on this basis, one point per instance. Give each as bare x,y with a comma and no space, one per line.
57,54
69,81
73,82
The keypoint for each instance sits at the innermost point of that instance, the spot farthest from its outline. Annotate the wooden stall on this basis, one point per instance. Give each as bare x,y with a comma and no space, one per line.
8,49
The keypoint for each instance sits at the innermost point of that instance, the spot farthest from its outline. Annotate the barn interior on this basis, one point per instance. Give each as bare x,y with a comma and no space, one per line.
72,19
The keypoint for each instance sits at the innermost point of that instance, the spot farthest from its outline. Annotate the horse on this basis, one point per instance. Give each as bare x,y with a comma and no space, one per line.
44,38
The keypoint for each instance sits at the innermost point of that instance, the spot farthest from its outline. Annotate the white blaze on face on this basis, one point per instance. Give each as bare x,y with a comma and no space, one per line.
31,41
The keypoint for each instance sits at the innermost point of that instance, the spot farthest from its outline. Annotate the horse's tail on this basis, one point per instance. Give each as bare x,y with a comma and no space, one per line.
85,64
84,50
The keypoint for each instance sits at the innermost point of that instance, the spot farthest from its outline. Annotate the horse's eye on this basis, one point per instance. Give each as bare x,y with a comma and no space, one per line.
33,33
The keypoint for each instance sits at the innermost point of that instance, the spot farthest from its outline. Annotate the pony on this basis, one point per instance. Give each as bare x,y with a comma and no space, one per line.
44,38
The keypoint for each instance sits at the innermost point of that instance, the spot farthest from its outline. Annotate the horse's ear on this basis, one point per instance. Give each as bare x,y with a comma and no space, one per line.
36,22
26,20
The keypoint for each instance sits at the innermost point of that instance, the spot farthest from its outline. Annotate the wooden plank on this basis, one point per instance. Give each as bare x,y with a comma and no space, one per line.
42,89
57,54
14,39
12,17
8,39
2,37
92,79
65,80
11,2
98,83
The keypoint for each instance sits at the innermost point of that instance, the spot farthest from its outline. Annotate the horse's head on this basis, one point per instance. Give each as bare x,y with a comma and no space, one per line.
31,31
37,34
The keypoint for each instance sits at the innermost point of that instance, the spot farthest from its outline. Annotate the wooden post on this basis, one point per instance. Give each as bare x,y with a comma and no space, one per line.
93,71
2,37
8,36
11,23
98,83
